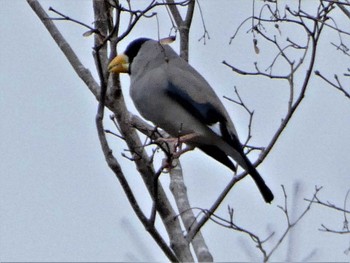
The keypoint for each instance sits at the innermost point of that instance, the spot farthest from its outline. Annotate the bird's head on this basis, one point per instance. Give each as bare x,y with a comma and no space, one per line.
122,62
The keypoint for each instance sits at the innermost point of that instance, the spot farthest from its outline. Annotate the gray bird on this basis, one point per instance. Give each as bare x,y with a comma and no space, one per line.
167,91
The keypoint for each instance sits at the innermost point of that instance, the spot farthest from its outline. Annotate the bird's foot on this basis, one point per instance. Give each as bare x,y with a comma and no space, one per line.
171,162
176,151
177,142
168,164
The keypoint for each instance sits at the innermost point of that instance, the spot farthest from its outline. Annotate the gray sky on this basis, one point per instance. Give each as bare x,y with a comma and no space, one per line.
60,202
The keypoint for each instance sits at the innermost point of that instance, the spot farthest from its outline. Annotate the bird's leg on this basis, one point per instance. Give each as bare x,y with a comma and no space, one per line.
183,139
167,163
177,142
177,150
187,137
178,153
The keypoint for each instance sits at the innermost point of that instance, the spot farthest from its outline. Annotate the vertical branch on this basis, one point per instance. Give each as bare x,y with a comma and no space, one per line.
183,25
101,11
177,185
144,163
178,188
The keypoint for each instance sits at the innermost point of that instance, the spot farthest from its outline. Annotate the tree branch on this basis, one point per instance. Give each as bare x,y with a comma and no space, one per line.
259,242
82,72
116,103
183,25
178,188
337,85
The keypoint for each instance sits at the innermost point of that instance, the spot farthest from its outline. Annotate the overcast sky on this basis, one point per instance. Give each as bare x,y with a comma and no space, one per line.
59,200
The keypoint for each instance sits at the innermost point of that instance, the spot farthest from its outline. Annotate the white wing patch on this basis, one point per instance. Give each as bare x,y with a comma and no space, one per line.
216,128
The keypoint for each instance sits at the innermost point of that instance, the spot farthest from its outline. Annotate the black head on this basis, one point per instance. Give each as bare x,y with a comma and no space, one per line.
134,47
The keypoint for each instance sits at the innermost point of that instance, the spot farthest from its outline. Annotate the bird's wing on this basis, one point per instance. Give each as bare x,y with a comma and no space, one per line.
190,90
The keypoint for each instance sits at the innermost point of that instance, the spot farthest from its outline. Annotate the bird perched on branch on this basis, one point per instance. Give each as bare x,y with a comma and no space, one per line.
167,91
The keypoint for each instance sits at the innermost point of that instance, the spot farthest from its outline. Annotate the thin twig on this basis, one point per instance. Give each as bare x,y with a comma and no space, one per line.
259,242
337,85
67,18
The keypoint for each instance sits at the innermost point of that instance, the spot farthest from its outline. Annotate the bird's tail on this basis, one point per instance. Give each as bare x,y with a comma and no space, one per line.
263,188
243,161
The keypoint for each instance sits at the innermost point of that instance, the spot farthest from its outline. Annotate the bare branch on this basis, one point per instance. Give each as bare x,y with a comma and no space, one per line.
205,33
326,229
241,103
194,230
293,105
178,188
330,205
175,12
257,73
259,242
291,224
183,25
344,210
337,85
342,8
82,72
314,35
67,18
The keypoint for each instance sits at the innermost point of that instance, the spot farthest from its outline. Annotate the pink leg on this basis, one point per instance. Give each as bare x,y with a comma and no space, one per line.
177,143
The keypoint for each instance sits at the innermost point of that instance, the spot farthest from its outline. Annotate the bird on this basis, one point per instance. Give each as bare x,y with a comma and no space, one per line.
170,93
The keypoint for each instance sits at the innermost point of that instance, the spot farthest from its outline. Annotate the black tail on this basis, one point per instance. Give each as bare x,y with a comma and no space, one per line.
221,156
263,188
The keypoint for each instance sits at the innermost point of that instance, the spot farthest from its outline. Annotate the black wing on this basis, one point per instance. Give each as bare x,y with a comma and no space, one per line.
205,113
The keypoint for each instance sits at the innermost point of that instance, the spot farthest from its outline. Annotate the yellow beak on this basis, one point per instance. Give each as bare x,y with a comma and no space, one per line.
120,64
